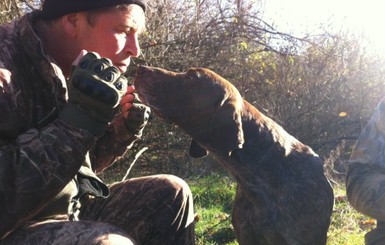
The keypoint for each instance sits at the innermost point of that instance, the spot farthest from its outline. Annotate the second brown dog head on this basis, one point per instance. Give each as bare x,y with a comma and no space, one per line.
199,101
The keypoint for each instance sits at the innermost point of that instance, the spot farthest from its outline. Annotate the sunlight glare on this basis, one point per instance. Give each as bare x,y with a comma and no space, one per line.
363,18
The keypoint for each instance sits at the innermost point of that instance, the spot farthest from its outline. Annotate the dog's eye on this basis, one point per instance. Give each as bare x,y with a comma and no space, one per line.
193,74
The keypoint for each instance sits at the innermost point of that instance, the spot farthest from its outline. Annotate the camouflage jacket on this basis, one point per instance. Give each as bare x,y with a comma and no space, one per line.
40,155
370,146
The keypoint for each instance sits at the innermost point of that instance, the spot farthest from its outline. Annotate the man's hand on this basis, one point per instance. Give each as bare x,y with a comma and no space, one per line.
135,113
127,101
95,89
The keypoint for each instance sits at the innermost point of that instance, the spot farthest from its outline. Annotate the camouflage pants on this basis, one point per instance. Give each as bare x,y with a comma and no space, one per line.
376,236
147,210
365,188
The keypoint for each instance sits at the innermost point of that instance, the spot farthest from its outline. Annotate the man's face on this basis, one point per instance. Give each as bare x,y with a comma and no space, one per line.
113,34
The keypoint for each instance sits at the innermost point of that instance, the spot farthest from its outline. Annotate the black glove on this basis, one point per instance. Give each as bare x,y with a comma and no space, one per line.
138,117
95,89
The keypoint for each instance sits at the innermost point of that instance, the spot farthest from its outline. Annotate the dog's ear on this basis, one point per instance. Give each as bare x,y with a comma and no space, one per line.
226,127
197,151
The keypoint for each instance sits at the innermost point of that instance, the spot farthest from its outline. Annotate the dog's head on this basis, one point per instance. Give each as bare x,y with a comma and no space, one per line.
201,102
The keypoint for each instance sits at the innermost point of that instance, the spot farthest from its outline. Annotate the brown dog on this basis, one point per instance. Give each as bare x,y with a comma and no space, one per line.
282,194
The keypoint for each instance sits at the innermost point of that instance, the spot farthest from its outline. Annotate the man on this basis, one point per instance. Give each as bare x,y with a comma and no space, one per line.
62,121
365,181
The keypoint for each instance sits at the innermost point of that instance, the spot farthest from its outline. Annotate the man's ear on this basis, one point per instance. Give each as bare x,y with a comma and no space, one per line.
71,24
226,128
197,151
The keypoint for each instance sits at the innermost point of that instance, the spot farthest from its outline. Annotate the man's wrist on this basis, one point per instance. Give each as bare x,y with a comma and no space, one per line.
77,117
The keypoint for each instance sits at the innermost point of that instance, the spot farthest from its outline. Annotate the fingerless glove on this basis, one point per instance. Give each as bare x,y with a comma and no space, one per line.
95,89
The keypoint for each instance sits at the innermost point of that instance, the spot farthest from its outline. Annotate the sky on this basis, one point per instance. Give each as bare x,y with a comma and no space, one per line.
364,18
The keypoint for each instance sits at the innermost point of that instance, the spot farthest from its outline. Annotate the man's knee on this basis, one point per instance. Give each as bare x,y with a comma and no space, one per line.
177,184
179,195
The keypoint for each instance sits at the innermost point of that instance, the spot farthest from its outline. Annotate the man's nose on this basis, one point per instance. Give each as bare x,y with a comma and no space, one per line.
132,45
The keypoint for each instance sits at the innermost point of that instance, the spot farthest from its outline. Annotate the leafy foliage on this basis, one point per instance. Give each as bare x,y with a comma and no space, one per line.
11,9
303,84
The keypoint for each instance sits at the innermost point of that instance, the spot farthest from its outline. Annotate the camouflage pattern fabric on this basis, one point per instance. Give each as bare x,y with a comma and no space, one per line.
151,210
40,156
366,169
365,180
376,236
62,232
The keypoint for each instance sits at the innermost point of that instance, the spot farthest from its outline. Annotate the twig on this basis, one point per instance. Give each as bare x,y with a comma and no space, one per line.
133,162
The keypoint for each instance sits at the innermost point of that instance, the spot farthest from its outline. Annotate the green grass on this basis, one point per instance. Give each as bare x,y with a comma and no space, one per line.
348,227
213,197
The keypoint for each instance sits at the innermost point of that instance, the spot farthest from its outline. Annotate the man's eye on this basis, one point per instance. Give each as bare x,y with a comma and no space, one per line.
128,31
124,32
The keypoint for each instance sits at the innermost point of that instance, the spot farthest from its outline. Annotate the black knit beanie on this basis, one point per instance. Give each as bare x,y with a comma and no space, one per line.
55,8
